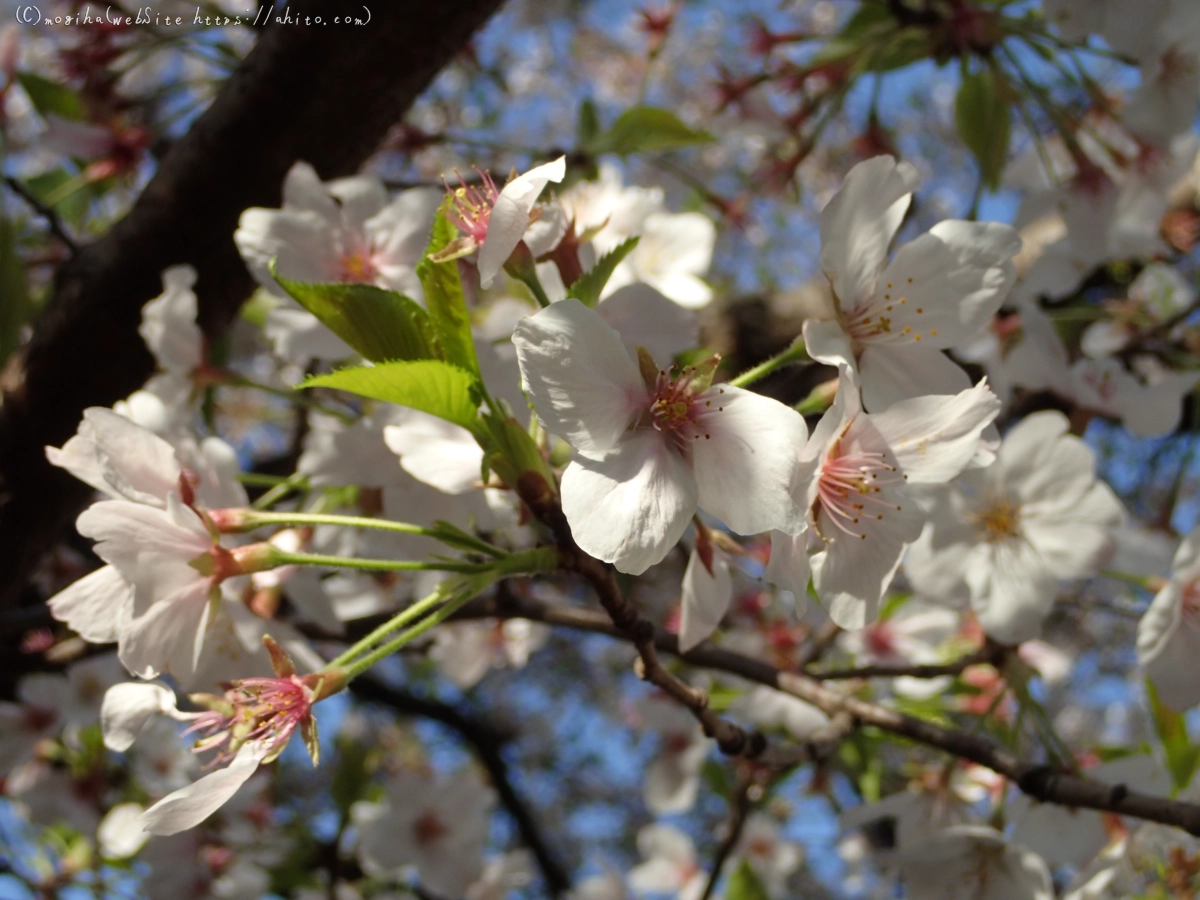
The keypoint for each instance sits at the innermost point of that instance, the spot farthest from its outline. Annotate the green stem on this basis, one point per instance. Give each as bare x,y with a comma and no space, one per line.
361,665
531,281
795,353
253,519
402,618
281,490
379,565
540,559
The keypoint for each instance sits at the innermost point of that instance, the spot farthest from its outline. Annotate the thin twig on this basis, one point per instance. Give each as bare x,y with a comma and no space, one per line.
543,503
989,653
52,220
1040,781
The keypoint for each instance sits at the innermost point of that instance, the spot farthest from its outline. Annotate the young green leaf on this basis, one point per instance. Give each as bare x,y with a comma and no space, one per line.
429,385
49,97
1182,755
588,129
588,288
745,885
381,325
644,128
984,122
445,302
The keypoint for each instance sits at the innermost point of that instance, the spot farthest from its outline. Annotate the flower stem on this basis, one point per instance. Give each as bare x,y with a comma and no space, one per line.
454,605
540,559
280,490
242,520
795,353
379,565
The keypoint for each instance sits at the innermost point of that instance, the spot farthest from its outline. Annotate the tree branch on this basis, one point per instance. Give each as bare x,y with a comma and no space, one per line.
1040,781
324,95
990,653
544,504
487,743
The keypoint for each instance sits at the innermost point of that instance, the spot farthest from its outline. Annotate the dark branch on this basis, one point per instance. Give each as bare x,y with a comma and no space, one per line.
52,220
487,743
990,653
327,96
640,631
1039,781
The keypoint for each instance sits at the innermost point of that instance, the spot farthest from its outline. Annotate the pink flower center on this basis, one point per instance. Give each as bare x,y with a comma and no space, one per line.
471,207
357,266
429,829
261,709
849,486
676,407
880,641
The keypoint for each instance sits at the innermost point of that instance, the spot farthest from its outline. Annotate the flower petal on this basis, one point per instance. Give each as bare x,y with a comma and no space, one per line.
745,470
631,506
705,599
584,385
934,437
891,373
509,218
788,567
126,709
436,452
859,223
644,317
95,607
188,807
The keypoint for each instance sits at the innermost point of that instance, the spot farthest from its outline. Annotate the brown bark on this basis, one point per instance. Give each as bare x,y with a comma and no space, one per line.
324,94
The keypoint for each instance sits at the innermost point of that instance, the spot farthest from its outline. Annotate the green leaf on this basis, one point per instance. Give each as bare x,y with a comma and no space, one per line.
381,325
16,307
590,285
430,385
70,208
588,129
1182,755
51,97
744,885
445,302
643,128
984,122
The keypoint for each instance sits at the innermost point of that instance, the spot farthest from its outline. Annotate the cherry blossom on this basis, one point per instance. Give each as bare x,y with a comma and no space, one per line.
649,452
1005,536
336,231
495,221
466,651
894,319
672,780
707,592
854,481
970,862
438,825
1168,636
670,865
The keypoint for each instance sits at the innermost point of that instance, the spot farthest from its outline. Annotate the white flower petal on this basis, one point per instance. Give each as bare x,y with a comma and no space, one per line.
891,373
744,471
95,607
126,709
826,341
859,223
509,218
706,599
436,452
933,438
1168,645
788,566
188,807
631,506
644,317
584,385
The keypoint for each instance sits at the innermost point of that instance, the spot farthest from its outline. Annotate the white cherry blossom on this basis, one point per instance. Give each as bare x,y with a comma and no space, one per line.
336,231
438,825
648,455
1168,638
894,319
672,780
705,599
674,250
854,482
970,862
670,866
1003,537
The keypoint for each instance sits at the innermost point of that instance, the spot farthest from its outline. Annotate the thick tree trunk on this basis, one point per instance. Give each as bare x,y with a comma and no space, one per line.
325,94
